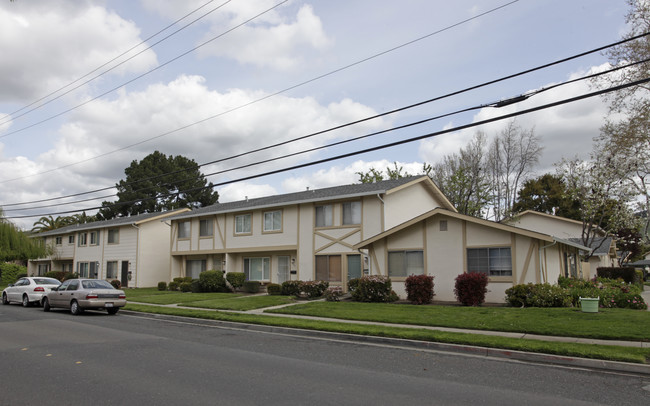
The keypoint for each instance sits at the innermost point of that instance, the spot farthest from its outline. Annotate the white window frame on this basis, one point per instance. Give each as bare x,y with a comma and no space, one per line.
83,239
265,272
243,224
184,230
112,268
71,239
94,238
274,219
113,236
58,240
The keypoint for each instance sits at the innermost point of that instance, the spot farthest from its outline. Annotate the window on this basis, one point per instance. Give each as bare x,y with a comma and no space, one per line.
257,269
71,239
59,240
205,228
184,229
491,261
194,267
114,236
405,263
43,269
324,216
352,213
83,239
443,225
328,268
94,238
111,270
243,224
273,220
87,269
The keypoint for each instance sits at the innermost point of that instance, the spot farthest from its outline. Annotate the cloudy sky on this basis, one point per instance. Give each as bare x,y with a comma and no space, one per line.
86,87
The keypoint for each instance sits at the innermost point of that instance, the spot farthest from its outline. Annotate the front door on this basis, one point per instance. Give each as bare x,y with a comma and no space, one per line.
125,274
283,268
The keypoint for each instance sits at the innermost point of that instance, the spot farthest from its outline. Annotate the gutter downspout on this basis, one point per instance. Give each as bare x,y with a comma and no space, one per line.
540,260
137,254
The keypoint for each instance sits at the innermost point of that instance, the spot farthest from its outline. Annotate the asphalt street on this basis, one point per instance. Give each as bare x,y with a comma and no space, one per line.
57,359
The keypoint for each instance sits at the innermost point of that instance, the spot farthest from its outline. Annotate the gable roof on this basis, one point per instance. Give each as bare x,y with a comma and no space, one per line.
318,195
601,246
475,220
118,221
514,218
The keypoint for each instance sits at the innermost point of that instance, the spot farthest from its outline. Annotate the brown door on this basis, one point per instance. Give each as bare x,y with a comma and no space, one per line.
125,274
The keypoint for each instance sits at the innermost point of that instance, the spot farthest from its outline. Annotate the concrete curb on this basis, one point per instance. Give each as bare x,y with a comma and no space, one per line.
575,362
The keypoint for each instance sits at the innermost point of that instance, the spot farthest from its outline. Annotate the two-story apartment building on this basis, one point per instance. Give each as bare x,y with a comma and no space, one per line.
307,235
134,250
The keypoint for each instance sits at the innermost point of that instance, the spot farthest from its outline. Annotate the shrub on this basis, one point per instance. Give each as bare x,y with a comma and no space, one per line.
251,286
333,293
55,274
195,286
313,289
162,286
375,288
70,275
236,279
538,295
273,289
116,283
11,272
212,281
185,286
173,286
626,273
291,288
353,284
470,288
182,279
419,289
519,295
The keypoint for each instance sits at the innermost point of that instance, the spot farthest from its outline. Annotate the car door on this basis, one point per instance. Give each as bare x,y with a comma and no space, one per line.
56,297
15,293
70,292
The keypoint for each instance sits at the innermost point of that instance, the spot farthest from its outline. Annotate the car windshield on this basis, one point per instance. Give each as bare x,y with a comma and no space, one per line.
98,284
46,281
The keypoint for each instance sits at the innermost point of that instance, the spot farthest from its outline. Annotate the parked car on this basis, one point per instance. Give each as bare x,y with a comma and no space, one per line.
28,290
85,294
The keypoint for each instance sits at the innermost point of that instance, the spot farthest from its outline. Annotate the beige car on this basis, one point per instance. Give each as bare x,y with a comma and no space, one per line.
85,294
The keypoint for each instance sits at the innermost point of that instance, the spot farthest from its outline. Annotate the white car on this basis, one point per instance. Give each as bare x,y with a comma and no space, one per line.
29,290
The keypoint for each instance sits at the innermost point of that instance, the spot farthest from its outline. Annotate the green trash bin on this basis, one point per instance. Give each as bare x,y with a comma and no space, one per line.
589,304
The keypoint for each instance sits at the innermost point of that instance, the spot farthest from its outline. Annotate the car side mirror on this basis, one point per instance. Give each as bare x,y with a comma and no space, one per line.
10,285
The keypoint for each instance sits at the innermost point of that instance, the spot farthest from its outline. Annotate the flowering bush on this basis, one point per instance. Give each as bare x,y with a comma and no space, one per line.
333,293
313,289
374,288
419,289
537,295
291,288
470,288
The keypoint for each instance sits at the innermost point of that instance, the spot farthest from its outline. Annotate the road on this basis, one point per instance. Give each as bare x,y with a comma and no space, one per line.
59,359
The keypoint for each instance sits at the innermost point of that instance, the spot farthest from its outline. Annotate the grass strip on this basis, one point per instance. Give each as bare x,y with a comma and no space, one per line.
609,324
603,352
241,303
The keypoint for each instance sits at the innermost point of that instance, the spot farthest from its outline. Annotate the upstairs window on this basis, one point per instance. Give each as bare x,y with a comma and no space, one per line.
83,239
114,236
205,228
352,213
243,224
324,216
94,238
59,240
184,229
273,220
71,239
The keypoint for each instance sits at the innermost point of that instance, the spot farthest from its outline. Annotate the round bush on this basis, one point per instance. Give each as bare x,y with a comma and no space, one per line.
251,286
273,289
419,289
116,283
186,286
291,288
162,286
212,281
236,279
375,288
470,288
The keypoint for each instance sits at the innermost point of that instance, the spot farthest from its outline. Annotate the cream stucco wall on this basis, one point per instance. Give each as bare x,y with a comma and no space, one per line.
555,226
407,203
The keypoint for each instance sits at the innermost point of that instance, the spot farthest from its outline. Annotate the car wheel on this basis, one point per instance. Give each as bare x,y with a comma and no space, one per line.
25,301
5,301
46,305
75,309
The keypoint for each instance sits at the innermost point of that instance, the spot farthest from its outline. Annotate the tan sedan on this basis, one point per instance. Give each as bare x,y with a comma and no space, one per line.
85,294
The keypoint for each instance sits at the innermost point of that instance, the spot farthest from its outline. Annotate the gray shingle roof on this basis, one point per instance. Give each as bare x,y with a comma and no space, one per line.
315,195
119,221
600,245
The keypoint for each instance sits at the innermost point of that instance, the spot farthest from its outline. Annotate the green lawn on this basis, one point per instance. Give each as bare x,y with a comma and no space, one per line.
241,303
623,324
222,301
606,352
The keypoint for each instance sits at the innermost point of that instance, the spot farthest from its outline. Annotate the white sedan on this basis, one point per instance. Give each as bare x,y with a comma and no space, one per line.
29,290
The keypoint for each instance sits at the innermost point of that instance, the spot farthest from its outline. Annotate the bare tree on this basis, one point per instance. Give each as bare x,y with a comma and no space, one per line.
512,157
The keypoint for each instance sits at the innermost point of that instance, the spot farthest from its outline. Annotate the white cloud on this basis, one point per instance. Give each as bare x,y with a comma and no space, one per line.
52,43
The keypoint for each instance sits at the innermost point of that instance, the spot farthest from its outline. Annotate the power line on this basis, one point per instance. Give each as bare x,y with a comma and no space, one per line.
501,103
384,146
11,115
142,75
240,106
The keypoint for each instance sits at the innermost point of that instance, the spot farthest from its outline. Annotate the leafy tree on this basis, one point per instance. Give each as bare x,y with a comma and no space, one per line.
17,245
630,243
373,175
48,223
547,194
158,183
